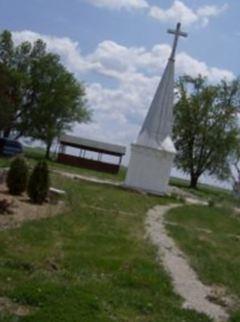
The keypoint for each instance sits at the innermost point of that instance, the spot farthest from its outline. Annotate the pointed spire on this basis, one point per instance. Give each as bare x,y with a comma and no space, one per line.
157,127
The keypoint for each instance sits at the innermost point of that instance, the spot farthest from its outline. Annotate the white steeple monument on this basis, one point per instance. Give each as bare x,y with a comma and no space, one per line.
153,153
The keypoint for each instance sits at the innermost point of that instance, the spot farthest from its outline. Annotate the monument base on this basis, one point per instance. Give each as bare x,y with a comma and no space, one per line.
149,169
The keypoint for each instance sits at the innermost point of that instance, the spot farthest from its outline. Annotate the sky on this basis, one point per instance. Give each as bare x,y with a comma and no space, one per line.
119,49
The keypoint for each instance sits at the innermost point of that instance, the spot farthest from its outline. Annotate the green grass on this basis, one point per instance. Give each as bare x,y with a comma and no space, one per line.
204,191
91,263
36,154
218,195
214,256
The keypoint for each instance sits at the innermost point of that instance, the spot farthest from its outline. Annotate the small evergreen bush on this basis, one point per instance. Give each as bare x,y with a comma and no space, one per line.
211,203
17,176
38,184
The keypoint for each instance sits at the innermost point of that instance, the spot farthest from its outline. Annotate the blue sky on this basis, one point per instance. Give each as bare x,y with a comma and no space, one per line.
90,25
120,47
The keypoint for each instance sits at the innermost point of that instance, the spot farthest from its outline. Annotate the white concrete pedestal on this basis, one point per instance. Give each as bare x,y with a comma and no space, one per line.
149,169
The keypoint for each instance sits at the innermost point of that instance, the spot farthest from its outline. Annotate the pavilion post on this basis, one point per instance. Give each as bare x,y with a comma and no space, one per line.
120,160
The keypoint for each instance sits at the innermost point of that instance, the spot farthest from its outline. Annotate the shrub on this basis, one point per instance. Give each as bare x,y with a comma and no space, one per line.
5,207
38,185
211,203
17,176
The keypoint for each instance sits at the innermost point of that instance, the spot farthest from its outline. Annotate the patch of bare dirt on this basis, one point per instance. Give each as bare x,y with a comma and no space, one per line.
8,306
22,210
219,296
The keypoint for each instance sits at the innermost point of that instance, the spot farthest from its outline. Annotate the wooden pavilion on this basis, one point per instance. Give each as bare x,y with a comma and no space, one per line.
91,154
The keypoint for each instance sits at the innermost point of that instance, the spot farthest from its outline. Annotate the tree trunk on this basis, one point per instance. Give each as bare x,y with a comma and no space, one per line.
18,136
48,150
194,181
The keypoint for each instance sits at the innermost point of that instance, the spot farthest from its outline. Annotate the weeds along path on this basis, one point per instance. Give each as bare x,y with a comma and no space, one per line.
186,283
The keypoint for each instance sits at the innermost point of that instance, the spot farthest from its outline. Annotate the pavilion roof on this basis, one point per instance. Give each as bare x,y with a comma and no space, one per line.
92,145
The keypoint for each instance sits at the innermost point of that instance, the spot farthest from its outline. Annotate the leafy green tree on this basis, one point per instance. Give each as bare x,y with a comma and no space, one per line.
8,83
60,101
41,98
234,161
205,127
6,49
5,99
16,90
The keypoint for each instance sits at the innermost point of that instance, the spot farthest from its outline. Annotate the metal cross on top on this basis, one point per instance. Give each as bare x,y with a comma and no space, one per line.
177,34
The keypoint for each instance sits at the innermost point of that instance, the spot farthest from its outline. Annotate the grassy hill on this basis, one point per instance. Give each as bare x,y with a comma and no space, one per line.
93,263
210,237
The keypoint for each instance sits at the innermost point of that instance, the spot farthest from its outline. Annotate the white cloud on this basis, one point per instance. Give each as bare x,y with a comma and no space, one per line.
211,11
68,49
120,4
182,13
136,71
186,64
206,12
177,12
127,64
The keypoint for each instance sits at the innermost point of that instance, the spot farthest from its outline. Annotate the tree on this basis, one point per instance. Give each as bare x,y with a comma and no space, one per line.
205,128
59,101
234,161
8,82
5,99
41,99
16,92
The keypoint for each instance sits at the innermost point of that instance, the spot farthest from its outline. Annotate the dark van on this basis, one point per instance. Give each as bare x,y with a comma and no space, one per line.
10,148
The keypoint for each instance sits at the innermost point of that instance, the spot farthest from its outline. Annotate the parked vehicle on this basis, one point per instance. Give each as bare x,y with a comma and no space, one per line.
10,147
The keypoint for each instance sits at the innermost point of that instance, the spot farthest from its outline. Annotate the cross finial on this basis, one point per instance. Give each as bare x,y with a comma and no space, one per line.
177,34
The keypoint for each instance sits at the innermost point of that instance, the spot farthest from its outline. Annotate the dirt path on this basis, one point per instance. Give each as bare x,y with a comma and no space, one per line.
196,295
87,178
